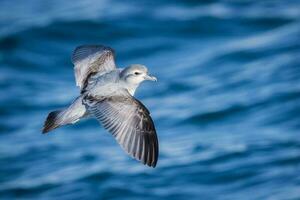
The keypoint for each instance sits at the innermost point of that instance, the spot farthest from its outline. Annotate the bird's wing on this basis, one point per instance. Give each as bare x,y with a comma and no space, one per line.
89,59
129,121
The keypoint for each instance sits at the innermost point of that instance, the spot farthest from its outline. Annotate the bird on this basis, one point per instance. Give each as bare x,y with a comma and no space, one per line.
107,94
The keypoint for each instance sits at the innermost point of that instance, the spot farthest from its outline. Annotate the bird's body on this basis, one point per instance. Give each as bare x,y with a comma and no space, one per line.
106,93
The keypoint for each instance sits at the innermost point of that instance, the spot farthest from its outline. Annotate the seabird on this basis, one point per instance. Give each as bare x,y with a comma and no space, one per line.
107,93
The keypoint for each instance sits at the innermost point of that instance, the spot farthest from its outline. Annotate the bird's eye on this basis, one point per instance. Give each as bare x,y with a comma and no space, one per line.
137,73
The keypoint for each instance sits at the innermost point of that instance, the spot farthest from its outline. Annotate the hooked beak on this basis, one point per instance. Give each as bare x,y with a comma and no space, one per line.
150,78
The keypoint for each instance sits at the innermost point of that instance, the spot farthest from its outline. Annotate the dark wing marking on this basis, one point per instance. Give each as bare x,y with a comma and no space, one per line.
88,59
129,121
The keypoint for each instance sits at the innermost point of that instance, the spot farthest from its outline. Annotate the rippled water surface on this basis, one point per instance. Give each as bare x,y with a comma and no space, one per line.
226,106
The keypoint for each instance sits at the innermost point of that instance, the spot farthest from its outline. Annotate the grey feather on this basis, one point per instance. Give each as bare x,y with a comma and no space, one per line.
91,59
129,121
65,116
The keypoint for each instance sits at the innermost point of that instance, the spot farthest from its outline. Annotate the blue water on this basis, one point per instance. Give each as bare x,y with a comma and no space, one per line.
226,106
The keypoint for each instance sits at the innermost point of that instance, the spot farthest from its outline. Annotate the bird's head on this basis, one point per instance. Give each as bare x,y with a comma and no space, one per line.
135,74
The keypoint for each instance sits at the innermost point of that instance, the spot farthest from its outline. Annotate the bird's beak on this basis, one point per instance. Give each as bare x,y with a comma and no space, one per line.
150,78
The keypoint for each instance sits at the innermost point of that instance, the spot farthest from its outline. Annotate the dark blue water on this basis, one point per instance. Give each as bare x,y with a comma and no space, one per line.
226,106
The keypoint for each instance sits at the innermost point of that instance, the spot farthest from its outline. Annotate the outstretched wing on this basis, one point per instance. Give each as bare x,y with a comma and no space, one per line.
129,121
89,59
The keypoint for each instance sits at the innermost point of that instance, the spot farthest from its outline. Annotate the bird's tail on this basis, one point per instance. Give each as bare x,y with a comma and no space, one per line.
69,115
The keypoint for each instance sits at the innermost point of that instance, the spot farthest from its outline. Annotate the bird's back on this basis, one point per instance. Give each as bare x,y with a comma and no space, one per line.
103,84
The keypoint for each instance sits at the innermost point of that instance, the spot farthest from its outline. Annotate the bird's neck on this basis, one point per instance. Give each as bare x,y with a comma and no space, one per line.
131,88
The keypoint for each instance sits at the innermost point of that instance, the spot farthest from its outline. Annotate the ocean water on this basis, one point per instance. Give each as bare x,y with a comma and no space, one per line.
226,106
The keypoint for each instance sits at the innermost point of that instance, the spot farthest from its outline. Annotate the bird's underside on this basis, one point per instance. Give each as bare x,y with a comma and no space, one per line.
105,97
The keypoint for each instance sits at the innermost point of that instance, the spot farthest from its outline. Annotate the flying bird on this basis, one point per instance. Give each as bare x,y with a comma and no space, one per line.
107,94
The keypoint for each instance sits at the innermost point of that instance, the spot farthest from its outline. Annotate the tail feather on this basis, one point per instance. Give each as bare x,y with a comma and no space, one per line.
68,115
51,121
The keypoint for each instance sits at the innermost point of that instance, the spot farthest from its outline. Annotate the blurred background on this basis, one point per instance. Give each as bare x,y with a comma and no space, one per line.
226,106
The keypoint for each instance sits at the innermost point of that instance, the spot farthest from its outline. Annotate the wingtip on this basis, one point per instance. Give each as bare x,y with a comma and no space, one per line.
153,164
